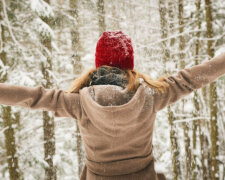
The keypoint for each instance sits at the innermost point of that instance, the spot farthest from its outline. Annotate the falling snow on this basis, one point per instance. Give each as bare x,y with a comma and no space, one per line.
156,53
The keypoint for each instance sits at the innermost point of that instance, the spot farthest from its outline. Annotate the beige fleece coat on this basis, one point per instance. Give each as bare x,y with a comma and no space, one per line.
116,128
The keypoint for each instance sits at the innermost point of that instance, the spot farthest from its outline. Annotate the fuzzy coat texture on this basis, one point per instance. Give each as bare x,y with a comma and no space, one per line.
116,126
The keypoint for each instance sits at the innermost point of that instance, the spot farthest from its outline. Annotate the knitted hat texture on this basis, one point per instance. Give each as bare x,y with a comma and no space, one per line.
114,48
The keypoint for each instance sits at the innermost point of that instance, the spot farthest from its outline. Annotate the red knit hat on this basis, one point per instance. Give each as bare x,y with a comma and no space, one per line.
114,48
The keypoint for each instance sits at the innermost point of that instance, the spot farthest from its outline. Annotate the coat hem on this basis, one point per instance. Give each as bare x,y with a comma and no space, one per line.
121,167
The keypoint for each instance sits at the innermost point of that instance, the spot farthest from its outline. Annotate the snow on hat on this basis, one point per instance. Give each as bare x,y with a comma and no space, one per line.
114,48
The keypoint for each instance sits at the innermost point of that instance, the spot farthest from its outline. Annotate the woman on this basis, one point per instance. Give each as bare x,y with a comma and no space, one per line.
116,107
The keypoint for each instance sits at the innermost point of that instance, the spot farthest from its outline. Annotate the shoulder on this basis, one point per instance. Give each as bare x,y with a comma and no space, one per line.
148,90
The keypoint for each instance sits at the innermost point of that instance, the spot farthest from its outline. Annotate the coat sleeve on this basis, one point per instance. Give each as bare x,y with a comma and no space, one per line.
60,103
189,79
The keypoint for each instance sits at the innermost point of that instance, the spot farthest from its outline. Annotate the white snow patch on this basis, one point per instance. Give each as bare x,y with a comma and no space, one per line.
160,167
43,28
220,51
41,8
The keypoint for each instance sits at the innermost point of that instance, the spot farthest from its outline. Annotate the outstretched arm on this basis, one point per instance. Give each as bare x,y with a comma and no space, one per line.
188,79
60,103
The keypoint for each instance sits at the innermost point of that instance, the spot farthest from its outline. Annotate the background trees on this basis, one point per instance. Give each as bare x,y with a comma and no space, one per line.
53,42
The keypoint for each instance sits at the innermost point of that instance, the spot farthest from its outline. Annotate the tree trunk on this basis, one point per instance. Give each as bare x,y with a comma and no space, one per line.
10,144
8,121
194,136
101,16
213,97
75,37
182,65
200,123
59,34
173,140
196,113
77,67
174,146
48,120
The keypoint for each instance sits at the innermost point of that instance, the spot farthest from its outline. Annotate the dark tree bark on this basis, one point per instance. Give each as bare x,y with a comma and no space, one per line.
8,121
213,97
197,125
182,65
48,120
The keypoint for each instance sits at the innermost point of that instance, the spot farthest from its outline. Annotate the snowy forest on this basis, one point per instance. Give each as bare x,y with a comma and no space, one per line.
52,42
